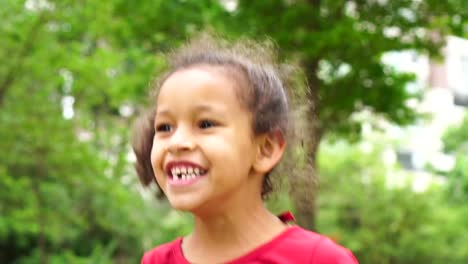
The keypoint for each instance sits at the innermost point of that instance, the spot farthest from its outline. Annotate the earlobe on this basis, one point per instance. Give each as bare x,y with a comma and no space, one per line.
270,150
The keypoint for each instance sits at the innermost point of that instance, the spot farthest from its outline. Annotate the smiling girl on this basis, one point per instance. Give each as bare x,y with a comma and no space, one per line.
217,130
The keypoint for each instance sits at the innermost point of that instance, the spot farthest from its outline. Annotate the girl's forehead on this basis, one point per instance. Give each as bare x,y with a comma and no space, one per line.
198,85
203,76
204,71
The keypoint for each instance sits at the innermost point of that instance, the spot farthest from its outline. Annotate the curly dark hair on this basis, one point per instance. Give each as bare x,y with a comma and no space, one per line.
261,88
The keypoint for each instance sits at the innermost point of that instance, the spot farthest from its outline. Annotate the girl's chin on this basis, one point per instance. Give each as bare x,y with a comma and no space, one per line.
182,204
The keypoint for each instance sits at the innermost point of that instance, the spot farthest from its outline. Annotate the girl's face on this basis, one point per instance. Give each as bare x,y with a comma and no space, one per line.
203,148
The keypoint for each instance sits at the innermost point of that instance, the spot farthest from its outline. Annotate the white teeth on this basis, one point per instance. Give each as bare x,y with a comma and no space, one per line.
186,173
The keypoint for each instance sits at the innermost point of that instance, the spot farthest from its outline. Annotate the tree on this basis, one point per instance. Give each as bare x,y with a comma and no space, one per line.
383,220
340,46
456,143
68,189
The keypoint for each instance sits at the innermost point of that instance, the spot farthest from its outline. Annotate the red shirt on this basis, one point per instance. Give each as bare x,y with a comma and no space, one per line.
294,245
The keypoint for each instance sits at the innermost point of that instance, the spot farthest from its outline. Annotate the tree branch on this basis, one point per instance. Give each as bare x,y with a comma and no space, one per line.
17,64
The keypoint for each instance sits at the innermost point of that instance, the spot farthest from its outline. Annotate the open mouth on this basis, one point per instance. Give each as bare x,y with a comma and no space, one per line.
184,171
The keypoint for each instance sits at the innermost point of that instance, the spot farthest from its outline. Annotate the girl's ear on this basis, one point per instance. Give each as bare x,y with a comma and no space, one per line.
270,150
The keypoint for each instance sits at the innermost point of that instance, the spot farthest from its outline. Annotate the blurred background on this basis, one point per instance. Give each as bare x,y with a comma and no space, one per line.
382,124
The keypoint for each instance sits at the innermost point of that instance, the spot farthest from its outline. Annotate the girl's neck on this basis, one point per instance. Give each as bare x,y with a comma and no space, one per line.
225,236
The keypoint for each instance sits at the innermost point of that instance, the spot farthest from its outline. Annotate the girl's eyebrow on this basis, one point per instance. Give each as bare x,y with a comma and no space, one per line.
216,109
202,107
163,112
197,109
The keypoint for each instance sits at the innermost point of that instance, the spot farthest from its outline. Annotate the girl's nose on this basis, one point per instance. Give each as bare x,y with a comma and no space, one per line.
181,140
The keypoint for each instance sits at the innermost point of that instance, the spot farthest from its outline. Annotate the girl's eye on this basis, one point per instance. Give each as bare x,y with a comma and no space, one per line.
204,124
163,128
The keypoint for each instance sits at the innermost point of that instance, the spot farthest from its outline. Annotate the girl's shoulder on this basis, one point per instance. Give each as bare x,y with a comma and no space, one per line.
163,253
314,247
294,245
297,245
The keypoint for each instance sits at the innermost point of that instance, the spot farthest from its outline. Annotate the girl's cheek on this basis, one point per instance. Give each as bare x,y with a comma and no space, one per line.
154,158
155,164
157,154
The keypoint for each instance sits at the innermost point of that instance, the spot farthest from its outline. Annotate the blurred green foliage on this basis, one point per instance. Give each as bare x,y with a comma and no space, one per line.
340,45
362,207
69,192
456,143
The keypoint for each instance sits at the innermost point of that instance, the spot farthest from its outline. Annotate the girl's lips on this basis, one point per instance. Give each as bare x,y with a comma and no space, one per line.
186,182
174,165
183,173
180,164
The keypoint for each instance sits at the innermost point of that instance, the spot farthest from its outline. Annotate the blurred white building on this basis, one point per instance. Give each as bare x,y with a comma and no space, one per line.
444,85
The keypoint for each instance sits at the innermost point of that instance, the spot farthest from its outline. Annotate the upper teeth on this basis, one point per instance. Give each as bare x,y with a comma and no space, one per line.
186,173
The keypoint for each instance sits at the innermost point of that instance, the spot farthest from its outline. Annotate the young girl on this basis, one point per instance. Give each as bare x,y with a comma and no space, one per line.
216,132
